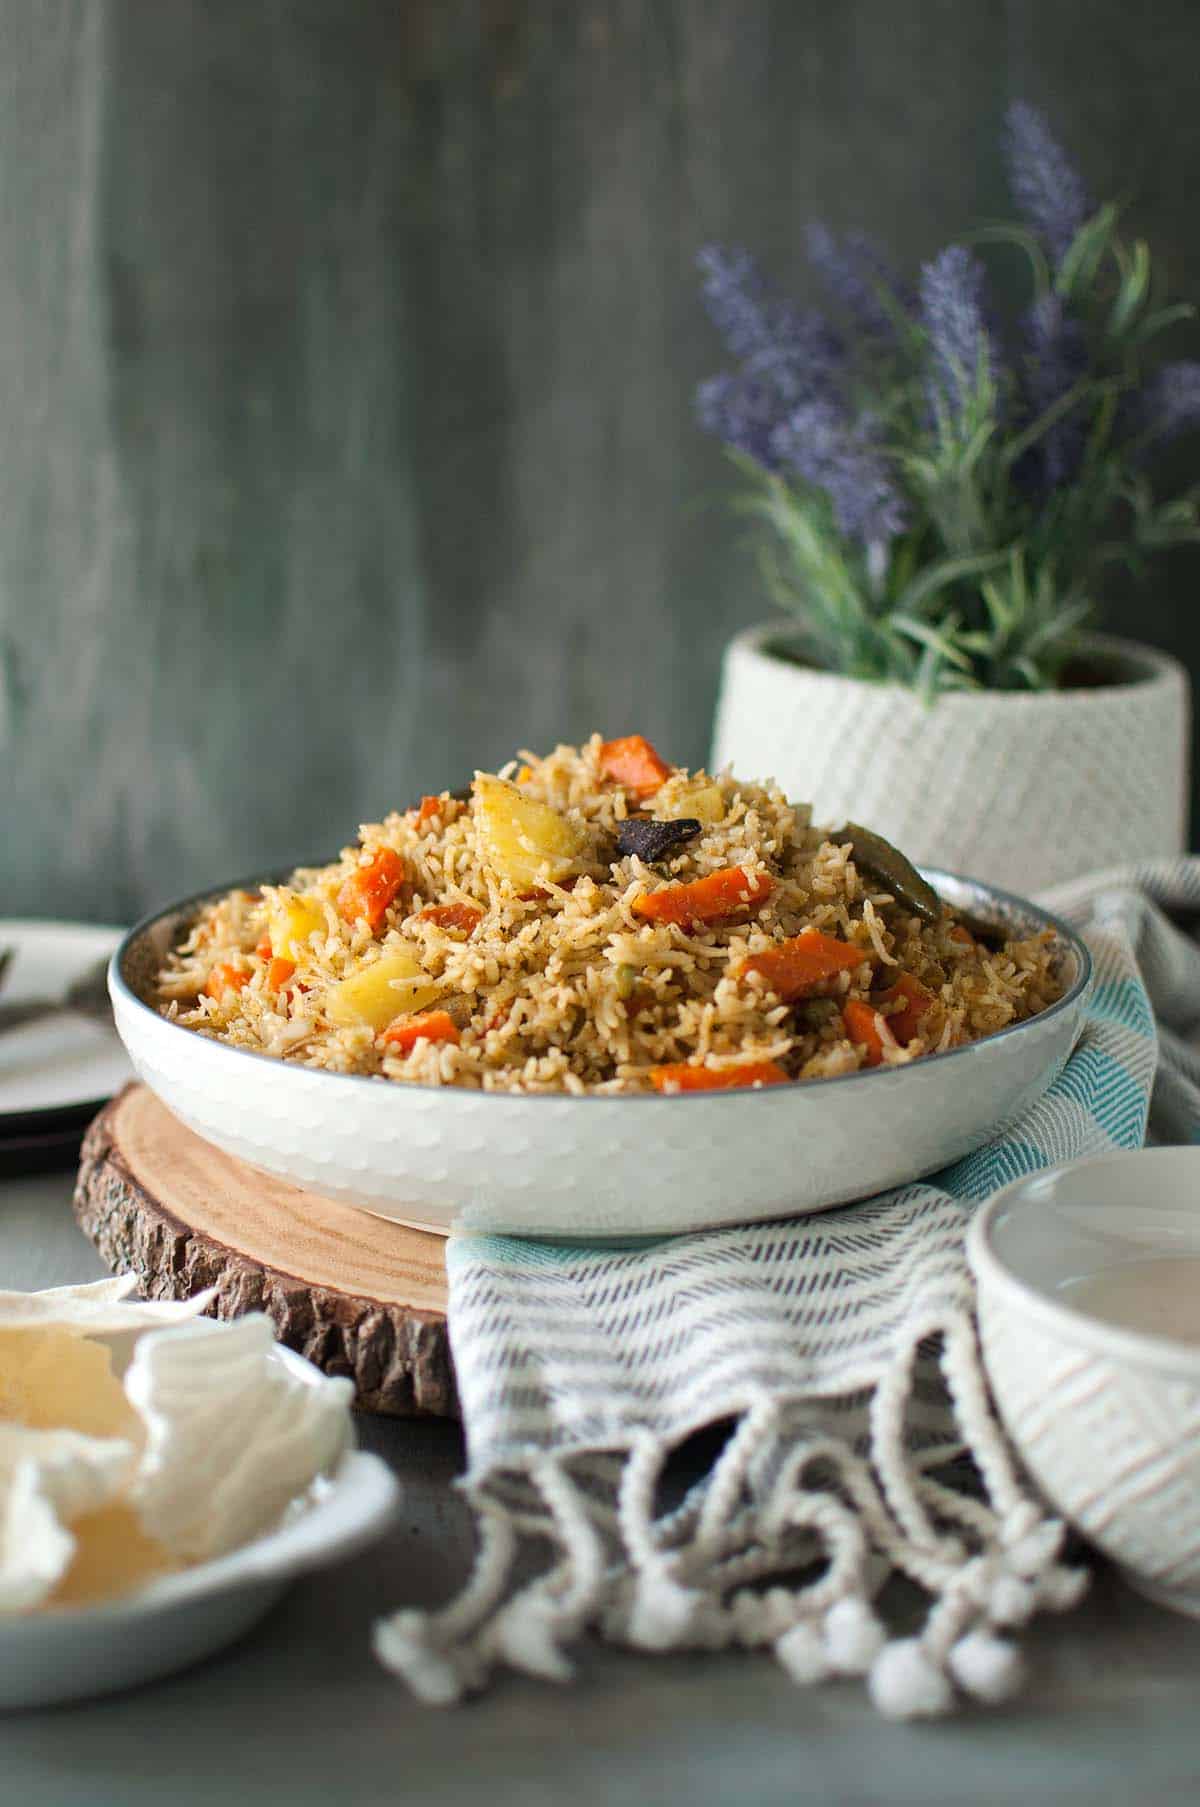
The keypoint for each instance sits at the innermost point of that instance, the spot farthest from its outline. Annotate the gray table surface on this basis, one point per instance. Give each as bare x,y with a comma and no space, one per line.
299,1712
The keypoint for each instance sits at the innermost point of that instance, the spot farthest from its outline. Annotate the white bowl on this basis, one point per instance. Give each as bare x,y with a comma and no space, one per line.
597,1166
74,1653
1105,1417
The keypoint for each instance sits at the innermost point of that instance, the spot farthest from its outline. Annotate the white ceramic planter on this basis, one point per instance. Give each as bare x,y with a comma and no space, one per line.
1018,789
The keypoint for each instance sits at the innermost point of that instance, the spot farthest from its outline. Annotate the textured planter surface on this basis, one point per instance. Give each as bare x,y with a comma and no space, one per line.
1020,790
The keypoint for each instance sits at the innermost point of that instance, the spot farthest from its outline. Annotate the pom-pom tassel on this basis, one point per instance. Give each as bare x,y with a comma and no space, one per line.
403,1644
802,1653
1011,1601
662,1613
525,1635
986,1666
1061,1588
854,1636
905,1682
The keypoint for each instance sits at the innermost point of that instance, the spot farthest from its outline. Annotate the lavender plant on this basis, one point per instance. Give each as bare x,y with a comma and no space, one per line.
943,489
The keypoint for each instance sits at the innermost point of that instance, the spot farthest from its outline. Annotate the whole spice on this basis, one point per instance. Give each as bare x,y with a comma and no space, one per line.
888,866
652,841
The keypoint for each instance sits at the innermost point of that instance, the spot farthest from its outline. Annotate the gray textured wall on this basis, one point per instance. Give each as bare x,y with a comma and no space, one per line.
346,354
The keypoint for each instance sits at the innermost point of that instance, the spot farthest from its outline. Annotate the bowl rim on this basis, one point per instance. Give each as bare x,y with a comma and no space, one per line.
1074,997
1087,1328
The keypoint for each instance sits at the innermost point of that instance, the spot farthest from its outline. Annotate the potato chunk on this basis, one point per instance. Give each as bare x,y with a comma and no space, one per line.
394,985
291,924
703,802
520,839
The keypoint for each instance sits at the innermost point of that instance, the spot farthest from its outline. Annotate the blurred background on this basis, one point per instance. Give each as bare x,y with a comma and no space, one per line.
346,364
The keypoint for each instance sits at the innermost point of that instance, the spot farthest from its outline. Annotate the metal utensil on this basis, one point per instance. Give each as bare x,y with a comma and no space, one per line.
85,996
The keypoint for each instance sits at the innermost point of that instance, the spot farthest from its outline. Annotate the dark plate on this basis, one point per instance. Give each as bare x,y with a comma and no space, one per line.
48,1153
60,1121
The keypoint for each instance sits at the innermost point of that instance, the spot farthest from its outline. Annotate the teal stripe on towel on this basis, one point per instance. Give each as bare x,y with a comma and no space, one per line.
1108,1090
1123,1001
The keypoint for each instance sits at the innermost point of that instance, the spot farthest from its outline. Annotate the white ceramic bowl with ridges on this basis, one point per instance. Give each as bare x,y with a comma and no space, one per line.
1105,1416
597,1166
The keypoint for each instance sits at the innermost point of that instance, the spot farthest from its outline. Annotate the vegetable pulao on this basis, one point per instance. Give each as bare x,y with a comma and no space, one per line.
601,921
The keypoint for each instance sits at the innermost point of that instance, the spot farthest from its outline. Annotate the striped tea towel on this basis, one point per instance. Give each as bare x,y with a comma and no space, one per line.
840,1350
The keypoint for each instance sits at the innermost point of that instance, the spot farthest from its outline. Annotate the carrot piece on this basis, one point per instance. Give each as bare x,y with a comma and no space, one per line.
725,893
793,969
370,891
682,1078
453,916
862,1020
430,807
281,976
564,884
430,1026
224,978
862,1026
263,950
633,762
906,1022
959,933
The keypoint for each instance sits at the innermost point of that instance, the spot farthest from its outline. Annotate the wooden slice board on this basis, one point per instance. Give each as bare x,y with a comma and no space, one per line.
355,1294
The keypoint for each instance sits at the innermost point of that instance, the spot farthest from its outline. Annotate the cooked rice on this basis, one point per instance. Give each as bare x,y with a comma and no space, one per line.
569,990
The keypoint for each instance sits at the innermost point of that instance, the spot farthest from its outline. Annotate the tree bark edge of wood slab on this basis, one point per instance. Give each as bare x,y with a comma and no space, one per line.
398,1356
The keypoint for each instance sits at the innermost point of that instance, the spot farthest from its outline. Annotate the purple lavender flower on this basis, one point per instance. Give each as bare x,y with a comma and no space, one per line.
1058,358
1170,402
787,355
794,348
734,294
742,413
828,451
1046,186
800,354
854,270
962,353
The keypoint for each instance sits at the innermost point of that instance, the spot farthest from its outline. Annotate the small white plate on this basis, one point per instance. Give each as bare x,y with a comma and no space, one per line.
76,1653
63,1066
